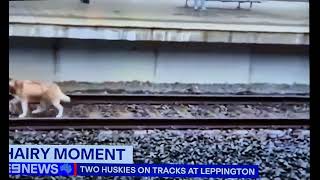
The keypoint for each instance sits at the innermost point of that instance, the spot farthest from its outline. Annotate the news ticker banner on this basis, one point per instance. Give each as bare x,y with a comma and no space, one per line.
101,160
71,154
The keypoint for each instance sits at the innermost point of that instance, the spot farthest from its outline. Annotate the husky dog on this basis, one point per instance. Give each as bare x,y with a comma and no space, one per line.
28,91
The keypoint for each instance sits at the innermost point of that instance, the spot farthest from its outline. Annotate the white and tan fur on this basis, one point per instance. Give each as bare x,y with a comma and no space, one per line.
28,91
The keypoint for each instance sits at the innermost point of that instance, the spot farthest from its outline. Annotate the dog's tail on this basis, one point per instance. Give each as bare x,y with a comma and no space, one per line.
64,98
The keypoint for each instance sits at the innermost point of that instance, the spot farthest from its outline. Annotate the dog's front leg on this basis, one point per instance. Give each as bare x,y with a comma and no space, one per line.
13,104
24,105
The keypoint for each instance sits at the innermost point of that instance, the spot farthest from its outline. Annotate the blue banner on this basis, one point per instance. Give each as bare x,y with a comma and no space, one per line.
42,169
147,170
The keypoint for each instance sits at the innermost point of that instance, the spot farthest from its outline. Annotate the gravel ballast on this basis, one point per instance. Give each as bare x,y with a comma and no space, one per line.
280,154
139,87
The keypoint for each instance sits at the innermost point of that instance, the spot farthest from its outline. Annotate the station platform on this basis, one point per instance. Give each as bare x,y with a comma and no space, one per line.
269,22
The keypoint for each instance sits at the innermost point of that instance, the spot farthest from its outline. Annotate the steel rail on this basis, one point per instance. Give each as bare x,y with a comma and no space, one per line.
186,98
152,123
158,98
167,122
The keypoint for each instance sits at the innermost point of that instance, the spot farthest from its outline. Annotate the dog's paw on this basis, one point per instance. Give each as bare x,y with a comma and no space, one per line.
59,116
22,116
35,111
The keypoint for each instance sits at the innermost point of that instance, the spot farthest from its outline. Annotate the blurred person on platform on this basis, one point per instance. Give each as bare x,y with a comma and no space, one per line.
202,4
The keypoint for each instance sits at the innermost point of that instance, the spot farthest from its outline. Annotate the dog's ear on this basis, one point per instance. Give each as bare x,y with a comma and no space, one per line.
12,90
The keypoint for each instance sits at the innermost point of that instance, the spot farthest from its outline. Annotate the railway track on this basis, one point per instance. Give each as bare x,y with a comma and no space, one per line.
153,123
186,99
168,122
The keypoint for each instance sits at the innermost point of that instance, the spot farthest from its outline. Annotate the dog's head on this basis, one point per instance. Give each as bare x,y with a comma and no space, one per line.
14,85
12,89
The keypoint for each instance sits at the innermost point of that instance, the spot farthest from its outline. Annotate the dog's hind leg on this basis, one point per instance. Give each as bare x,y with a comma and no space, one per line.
57,105
24,105
40,108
